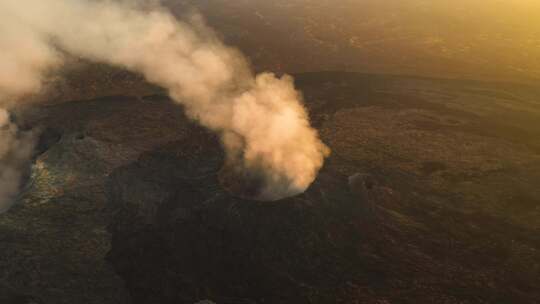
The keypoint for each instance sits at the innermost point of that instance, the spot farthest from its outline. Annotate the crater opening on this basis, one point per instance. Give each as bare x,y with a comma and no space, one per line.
47,138
254,183
80,136
243,182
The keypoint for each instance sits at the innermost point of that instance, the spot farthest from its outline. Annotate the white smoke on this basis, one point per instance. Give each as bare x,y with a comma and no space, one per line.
263,124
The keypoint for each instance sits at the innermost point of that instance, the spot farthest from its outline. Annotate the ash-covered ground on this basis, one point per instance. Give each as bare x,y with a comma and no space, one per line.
123,202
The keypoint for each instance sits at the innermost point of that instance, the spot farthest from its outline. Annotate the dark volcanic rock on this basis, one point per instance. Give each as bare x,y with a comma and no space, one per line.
8,296
47,139
179,237
54,240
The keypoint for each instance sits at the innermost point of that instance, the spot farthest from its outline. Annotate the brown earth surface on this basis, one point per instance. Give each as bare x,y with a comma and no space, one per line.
123,203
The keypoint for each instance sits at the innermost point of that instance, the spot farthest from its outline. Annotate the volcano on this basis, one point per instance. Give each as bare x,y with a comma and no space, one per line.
423,200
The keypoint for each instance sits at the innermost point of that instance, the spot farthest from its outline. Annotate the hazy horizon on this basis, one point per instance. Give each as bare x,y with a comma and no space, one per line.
441,38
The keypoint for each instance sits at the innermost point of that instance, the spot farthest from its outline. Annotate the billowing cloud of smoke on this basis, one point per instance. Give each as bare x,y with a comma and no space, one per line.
264,127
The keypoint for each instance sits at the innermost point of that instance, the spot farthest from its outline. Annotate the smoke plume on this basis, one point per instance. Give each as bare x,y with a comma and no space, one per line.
262,123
